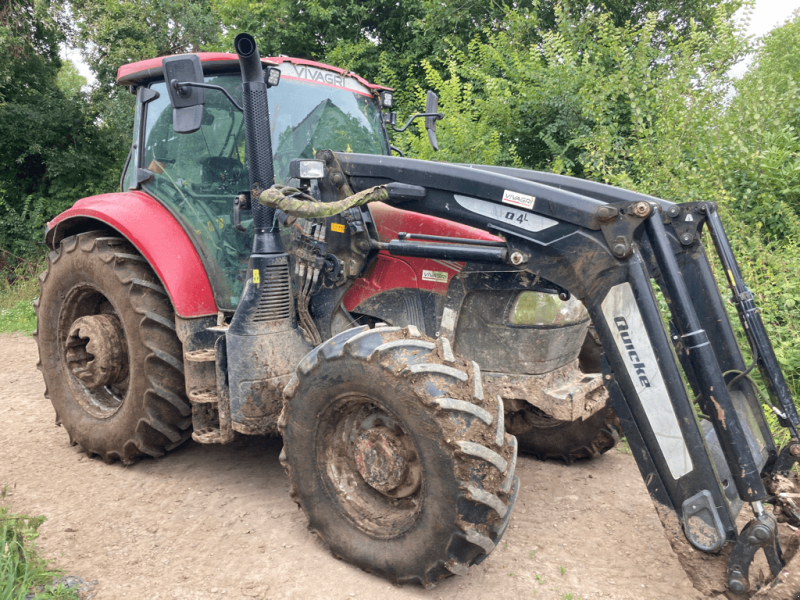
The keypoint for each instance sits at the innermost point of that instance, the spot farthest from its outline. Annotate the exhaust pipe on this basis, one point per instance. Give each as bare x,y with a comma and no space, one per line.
263,341
258,143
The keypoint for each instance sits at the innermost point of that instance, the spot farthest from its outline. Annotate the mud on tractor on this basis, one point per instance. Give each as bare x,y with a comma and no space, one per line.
406,326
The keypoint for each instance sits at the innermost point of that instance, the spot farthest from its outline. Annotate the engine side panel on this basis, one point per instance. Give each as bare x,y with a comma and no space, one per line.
421,273
156,234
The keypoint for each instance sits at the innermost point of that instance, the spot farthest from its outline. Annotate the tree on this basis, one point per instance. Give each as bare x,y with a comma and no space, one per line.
68,80
52,152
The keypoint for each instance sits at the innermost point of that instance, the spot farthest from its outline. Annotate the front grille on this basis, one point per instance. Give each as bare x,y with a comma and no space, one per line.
275,302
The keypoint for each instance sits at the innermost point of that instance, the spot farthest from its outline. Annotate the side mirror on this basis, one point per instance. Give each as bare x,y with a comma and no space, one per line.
431,107
187,100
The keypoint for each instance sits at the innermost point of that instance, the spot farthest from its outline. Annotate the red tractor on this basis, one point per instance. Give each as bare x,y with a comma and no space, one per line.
268,267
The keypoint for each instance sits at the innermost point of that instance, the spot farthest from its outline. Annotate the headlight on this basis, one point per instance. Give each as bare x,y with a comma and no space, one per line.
307,169
539,308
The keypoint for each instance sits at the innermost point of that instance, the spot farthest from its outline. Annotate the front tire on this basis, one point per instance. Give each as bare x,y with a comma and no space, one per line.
108,351
401,465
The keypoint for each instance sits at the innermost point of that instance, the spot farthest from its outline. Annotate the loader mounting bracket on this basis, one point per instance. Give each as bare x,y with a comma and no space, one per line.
687,219
618,222
787,458
759,533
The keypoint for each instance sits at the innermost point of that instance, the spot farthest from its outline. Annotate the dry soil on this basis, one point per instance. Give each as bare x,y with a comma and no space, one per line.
214,522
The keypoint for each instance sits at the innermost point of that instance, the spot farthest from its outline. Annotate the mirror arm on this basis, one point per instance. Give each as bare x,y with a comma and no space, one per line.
180,84
438,116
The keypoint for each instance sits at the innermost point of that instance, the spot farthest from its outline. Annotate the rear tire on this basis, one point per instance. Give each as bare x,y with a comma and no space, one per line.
546,437
401,465
111,360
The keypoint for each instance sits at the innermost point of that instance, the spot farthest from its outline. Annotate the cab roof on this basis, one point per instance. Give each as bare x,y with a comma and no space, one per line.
137,72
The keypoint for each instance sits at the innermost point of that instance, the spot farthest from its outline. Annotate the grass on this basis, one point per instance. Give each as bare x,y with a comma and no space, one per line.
19,286
22,570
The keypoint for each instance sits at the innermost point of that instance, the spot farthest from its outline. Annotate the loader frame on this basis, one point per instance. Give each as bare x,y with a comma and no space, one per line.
612,248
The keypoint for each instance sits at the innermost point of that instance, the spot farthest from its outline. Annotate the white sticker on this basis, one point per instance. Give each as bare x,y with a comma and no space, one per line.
438,276
449,320
518,199
627,326
506,214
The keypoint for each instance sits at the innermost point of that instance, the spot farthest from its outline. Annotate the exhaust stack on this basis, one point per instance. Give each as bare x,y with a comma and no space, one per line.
263,341
258,143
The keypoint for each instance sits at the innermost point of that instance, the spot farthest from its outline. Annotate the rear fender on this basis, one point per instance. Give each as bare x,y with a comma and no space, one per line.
157,235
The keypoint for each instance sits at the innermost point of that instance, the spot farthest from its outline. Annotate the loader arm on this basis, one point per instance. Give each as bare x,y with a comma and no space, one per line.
607,247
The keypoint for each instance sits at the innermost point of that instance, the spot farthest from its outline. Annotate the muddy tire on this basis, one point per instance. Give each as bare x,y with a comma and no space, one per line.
400,463
108,351
545,437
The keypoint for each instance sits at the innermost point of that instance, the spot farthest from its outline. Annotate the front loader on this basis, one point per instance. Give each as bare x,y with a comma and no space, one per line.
397,320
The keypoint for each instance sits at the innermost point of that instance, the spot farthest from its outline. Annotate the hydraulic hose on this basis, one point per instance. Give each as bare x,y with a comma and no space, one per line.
294,202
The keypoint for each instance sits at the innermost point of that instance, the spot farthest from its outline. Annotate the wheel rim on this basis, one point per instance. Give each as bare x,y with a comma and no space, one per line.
369,466
94,351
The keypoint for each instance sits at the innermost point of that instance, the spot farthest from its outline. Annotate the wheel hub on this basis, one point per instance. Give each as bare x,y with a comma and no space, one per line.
95,353
383,462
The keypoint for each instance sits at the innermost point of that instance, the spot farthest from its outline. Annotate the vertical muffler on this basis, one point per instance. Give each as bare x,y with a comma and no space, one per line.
264,342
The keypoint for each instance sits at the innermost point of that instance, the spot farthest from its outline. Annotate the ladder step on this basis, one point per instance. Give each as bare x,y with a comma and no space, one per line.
211,436
208,395
202,355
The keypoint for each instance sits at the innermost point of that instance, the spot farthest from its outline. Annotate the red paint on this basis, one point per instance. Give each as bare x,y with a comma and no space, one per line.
388,272
390,221
161,240
391,272
152,67
311,63
338,87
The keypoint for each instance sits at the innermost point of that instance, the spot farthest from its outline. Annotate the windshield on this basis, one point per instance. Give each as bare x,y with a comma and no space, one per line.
198,174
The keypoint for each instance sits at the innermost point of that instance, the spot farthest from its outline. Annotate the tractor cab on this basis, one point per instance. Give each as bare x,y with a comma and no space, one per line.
196,176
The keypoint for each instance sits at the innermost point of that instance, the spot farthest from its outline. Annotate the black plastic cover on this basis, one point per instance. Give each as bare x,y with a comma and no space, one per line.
187,101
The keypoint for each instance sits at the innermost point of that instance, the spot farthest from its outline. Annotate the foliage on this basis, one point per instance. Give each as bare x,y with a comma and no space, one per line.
69,81
463,136
22,570
53,151
389,41
19,286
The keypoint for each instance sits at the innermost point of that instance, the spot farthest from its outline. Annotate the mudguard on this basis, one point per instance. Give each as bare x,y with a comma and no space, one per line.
155,233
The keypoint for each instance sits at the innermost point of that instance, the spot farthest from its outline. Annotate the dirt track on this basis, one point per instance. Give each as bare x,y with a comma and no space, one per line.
210,522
